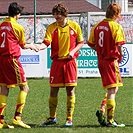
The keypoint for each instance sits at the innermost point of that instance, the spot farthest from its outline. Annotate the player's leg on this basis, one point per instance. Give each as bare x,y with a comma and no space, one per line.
53,101
103,104
111,103
20,106
4,90
111,108
114,82
70,104
16,77
103,66
3,98
55,81
101,113
70,71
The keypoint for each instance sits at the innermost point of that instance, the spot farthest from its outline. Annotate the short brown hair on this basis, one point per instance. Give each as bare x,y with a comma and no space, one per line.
60,9
113,11
14,9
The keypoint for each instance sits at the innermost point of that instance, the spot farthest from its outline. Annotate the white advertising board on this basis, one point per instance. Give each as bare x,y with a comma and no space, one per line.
34,63
37,64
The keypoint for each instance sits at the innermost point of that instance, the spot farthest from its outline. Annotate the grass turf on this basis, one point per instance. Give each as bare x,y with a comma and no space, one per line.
89,94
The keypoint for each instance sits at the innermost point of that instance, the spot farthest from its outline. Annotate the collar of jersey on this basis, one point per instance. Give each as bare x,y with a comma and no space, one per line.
11,19
108,19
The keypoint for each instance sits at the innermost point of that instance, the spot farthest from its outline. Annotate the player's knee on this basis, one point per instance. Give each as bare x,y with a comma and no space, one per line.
4,90
24,88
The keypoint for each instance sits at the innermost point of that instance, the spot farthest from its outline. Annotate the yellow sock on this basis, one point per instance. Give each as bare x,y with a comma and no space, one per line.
21,101
103,104
53,101
70,106
110,110
3,100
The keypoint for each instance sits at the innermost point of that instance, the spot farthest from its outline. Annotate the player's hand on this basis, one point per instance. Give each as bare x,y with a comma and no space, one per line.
35,47
69,57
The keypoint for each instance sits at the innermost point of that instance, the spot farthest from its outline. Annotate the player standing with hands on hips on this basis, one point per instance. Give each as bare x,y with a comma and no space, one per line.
65,38
11,72
107,38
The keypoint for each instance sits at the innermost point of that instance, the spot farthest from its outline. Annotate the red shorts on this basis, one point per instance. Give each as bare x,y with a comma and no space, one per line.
63,73
11,72
110,73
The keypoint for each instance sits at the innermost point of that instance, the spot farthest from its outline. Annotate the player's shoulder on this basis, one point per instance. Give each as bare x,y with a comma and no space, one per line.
52,25
115,24
95,25
73,24
19,26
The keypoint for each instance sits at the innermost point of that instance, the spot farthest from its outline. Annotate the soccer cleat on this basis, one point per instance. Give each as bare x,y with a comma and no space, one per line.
49,121
19,122
3,124
68,123
114,124
101,118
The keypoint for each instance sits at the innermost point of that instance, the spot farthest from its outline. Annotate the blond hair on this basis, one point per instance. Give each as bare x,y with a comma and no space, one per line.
113,11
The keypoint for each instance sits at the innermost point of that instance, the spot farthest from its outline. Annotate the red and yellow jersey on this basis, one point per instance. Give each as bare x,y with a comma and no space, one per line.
106,36
63,39
12,37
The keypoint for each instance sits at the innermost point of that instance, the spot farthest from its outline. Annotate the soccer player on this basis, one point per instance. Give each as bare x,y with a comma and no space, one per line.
65,38
107,38
12,38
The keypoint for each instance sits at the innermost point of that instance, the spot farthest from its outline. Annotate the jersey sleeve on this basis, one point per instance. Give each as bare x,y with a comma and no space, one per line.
22,38
91,40
48,36
80,38
20,34
120,36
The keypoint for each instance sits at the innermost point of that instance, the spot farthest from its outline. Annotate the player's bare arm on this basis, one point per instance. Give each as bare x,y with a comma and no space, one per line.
31,46
120,49
77,48
42,46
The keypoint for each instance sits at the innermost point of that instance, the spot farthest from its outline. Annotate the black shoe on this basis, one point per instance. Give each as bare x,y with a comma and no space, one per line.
101,118
49,121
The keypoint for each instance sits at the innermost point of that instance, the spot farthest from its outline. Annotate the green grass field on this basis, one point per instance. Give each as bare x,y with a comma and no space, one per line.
89,94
